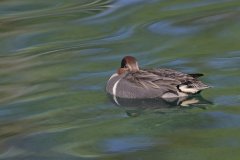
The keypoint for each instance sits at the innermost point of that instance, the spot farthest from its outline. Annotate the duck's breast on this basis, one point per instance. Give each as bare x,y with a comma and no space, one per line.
120,87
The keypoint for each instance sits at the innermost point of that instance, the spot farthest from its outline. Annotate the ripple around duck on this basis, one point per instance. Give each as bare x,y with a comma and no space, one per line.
126,144
34,29
192,5
225,63
169,28
121,34
56,57
23,10
111,11
26,40
223,120
228,100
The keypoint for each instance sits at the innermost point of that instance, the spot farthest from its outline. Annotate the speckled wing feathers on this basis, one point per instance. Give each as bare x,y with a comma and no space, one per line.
169,79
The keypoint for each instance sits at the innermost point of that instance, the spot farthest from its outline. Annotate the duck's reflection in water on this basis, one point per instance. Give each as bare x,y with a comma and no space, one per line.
134,107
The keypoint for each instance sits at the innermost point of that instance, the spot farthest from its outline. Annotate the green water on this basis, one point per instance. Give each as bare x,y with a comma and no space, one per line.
55,59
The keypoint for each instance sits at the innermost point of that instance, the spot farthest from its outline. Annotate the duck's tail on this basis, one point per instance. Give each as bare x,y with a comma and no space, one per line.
193,87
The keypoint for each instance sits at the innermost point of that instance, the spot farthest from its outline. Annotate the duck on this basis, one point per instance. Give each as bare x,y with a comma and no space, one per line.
132,82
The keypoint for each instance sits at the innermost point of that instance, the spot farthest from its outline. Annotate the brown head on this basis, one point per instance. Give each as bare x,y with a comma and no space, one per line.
129,63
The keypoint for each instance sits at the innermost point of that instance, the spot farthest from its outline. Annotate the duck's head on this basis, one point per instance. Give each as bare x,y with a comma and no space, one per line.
130,63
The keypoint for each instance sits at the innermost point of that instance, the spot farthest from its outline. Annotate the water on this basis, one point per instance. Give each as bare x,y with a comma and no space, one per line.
56,57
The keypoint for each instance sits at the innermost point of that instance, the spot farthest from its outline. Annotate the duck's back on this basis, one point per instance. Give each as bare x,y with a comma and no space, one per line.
185,83
154,83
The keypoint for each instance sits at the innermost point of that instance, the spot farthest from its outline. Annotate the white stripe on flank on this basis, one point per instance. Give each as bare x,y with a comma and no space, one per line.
115,91
115,87
114,75
185,89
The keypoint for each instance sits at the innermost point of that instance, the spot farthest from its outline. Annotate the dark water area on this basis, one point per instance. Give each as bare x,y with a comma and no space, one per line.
56,57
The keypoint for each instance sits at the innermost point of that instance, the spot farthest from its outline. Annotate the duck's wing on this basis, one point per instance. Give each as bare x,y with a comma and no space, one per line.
168,79
189,83
150,80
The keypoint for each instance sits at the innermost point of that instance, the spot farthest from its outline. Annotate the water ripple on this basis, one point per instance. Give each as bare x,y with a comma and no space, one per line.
126,144
169,28
56,57
192,5
117,5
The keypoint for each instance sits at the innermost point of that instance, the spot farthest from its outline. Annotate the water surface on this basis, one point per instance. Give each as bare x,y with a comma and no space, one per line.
55,59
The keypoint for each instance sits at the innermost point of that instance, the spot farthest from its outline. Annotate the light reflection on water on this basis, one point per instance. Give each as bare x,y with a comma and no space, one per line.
168,28
56,57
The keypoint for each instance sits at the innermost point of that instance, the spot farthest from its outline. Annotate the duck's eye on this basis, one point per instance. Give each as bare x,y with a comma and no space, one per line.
123,64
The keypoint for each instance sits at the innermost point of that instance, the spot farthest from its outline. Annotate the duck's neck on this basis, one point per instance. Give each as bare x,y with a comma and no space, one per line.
122,71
